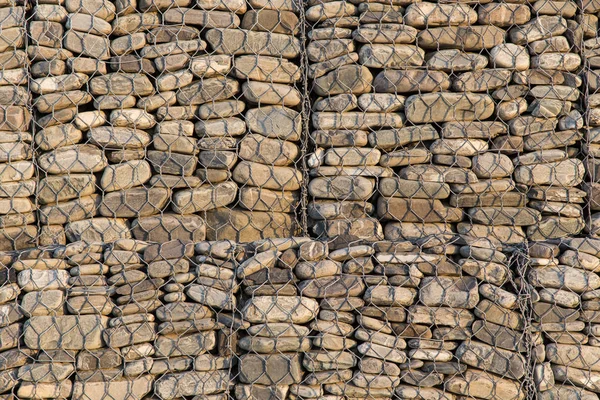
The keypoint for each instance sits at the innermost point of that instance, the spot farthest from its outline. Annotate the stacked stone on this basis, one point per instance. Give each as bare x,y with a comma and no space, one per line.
343,167
115,365
44,280
549,128
430,319
565,312
336,279
260,182
193,348
275,349
492,358
190,84
69,44
17,208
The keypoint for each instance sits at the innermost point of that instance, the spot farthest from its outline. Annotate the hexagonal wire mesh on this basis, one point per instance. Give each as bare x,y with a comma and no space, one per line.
440,154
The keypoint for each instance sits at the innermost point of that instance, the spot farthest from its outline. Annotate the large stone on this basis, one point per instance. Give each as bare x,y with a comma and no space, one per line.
65,332
73,159
275,122
576,356
263,309
394,296
185,345
416,210
206,19
564,277
237,41
266,69
54,189
119,83
268,177
266,20
205,197
116,389
246,226
445,107
424,15
261,149
281,369
562,173
98,230
212,297
333,286
134,202
346,79
87,44
479,384
341,187
499,361
191,383
209,89
125,175
410,80
467,38
542,27
449,291
392,56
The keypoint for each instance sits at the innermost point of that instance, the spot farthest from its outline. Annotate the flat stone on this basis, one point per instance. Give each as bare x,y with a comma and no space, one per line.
542,27
347,78
503,14
210,89
271,93
236,41
410,80
270,369
188,345
341,286
449,291
476,382
499,361
563,173
245,226
443,107
266,69
424,15
275,122
472,38
269,177
87,44
45,332
263,309
138,387
416,210
266,20
98,230
119,83
393,56
133,202
204,198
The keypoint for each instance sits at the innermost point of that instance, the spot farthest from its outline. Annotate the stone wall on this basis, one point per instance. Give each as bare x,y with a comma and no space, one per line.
299,199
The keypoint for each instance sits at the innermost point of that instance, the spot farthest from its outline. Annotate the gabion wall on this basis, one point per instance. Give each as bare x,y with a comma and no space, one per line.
299,199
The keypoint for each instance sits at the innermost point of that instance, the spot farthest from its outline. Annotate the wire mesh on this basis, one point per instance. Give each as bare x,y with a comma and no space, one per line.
299,199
